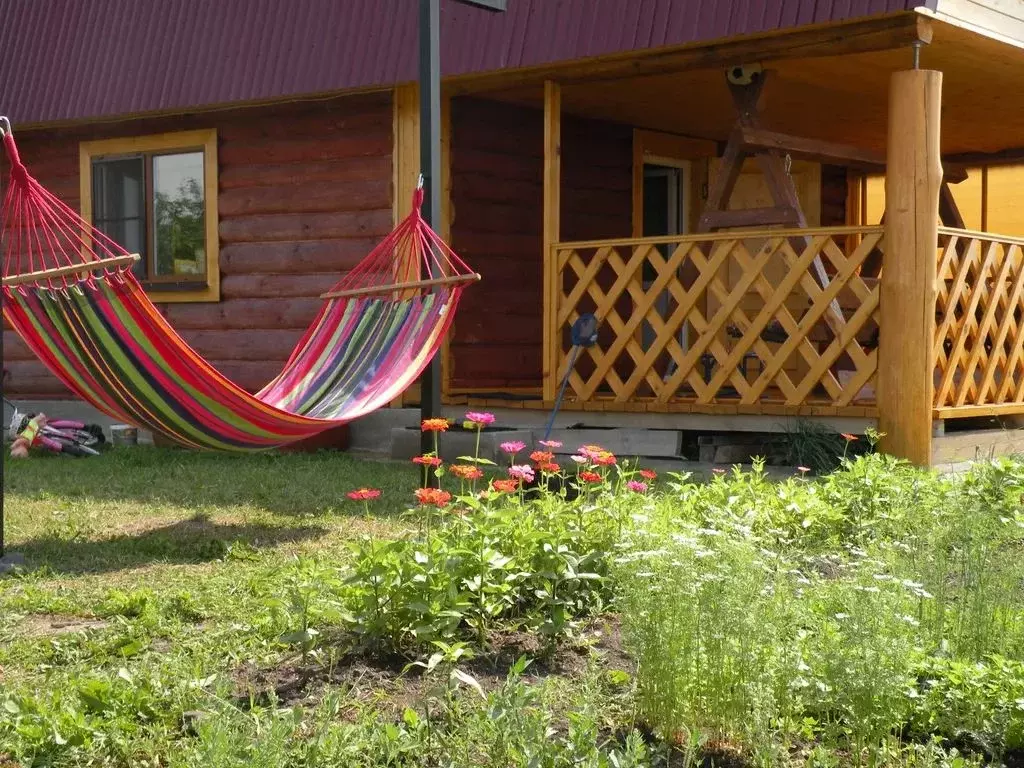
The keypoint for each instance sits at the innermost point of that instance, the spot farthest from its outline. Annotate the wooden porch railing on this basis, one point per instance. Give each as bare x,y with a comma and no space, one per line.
732,323
979,339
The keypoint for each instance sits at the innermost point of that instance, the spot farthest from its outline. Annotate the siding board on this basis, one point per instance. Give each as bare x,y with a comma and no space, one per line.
273,265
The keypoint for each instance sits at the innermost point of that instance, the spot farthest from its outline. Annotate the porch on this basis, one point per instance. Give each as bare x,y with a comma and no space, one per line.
902,314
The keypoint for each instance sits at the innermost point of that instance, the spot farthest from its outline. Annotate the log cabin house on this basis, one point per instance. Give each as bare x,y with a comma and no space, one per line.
788,208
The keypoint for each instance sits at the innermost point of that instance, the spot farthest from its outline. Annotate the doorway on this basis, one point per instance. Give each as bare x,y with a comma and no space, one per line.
664,213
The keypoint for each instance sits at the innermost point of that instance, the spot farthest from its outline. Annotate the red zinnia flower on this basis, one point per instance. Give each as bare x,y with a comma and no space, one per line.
434,425
364,494
648,474
542,457
428,461
466,472
505,486
432,496
848,437
590,477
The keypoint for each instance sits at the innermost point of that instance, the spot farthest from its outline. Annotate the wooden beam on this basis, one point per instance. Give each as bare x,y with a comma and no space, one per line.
752,217
374,290
552,224
1013,156
906,350
827,39
405,100
812,149
75,269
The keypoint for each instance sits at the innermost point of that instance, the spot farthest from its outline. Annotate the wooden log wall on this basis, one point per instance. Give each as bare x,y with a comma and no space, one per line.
305,193
497,227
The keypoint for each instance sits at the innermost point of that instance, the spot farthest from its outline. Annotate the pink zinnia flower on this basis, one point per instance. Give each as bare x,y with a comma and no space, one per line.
718,471
803,470
522,472
476,419
579,459
591,451
550,443
636,486
513,447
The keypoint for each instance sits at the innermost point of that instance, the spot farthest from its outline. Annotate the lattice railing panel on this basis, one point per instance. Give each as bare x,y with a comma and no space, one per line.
979,341
737,318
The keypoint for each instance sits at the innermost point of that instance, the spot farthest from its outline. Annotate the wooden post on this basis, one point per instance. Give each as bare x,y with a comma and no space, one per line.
906,354
552,215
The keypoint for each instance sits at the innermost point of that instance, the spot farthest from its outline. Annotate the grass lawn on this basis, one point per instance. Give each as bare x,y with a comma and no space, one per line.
203,610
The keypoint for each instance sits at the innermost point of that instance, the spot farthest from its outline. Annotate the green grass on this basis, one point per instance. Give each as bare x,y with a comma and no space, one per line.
202,610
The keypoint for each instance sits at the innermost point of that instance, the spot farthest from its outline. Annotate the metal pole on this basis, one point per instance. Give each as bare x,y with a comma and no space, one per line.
430,163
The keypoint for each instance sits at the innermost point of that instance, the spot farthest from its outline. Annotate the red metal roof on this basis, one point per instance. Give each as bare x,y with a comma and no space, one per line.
75,59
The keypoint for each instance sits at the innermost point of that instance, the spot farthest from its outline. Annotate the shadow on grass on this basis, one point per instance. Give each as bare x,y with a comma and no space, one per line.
285,484
189,541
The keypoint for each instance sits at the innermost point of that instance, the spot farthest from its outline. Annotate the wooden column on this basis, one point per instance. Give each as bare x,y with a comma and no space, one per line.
406,168
552,220
906,354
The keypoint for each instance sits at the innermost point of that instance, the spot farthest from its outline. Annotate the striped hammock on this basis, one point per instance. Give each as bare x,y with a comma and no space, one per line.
70,293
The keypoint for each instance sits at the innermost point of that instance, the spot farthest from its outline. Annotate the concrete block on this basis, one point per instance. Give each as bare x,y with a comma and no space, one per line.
405,443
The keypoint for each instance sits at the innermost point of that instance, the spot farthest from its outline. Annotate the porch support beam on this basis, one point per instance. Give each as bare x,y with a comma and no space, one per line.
552,232
859,36
906,352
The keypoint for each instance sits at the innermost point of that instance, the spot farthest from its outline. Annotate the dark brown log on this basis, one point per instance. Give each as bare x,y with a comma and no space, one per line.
485,216
477,363
30,378
314,121
489,189
468,240
349,170
305,226
496,166
298,150
309,197
475,330
268,286
266,345
334,256
15,348
249,314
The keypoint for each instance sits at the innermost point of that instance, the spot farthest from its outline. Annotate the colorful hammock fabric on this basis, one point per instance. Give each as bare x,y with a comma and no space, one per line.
69,292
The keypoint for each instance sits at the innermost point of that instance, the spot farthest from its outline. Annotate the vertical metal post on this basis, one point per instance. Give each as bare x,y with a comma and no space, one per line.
430,163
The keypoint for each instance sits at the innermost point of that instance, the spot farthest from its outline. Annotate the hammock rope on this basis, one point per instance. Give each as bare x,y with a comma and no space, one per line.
70,293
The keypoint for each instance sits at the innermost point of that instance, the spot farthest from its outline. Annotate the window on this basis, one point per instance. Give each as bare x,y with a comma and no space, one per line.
157,196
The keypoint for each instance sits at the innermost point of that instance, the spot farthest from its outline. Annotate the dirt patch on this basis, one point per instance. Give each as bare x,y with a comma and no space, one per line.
53,624
390,686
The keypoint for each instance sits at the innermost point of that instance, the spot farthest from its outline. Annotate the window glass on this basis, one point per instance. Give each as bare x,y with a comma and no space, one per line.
119,203
179,232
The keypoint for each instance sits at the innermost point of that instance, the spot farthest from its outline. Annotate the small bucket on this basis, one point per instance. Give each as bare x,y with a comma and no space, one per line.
123,435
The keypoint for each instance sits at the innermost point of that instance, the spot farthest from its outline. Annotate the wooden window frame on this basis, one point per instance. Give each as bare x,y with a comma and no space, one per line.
206,140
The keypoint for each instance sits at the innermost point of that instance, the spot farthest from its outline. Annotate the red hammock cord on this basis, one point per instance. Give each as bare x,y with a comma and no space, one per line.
40,232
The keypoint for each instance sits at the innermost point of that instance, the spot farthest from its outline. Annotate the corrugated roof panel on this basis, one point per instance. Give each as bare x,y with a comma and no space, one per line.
75,59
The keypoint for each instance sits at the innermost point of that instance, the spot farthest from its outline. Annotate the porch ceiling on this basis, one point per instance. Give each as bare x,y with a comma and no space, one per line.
841,98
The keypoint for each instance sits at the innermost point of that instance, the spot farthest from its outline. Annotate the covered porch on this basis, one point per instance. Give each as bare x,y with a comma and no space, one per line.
806,233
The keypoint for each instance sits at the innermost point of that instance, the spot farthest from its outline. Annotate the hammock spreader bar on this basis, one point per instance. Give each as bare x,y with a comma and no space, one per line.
69,292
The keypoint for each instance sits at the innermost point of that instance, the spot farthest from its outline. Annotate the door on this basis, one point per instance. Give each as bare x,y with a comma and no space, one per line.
664,213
